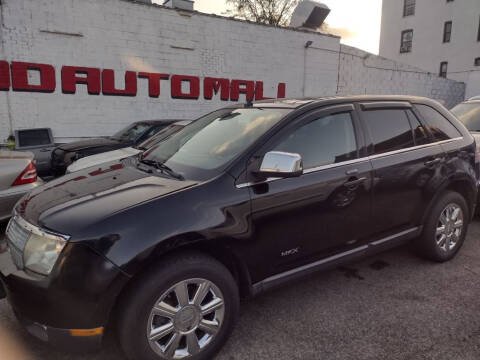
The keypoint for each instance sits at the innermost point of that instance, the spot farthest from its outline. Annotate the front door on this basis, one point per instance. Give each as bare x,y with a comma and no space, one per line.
327,209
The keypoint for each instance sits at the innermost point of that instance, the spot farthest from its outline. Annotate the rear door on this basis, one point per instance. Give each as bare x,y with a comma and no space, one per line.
327,209
406,162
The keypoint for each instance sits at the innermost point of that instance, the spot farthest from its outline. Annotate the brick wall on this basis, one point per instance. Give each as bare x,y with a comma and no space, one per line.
124,35
364,73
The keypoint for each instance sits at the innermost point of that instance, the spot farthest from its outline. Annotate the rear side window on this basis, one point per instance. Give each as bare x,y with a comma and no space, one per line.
420,134
327,140
438,125
389,130
33,137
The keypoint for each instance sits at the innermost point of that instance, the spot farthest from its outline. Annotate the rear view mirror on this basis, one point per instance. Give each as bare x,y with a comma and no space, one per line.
281,164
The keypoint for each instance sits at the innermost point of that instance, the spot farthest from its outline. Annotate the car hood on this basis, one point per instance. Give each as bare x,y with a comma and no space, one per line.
79,200
98,159
90,143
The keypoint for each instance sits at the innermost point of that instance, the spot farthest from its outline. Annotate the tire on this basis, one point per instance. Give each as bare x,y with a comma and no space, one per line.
175,281
440,248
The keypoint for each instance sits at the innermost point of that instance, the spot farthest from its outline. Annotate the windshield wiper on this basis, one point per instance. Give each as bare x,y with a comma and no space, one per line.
163,168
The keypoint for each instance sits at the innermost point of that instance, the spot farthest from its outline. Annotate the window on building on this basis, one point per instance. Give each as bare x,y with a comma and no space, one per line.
477,61
408,7
389,130
407,40
443,69
447,32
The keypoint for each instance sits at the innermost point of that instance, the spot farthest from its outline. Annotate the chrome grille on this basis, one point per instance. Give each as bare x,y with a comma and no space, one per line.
17,238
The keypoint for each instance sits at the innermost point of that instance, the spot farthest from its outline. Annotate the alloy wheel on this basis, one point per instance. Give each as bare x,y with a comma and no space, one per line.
449,227
185,319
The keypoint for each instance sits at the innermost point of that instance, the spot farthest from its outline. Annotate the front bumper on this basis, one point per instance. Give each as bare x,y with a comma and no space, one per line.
86,340
71,307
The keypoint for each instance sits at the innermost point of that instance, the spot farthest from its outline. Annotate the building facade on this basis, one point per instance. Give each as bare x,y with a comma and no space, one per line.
87,68
439,36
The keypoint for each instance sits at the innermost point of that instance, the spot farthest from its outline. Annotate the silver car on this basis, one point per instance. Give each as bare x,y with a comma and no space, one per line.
18,176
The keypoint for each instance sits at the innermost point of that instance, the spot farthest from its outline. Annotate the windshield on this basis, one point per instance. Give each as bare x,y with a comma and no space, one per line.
131,132
211,142
468,114
162,135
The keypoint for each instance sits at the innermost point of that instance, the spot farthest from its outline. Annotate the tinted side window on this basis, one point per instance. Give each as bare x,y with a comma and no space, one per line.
389,129
438,125
327,140
420,134
33,137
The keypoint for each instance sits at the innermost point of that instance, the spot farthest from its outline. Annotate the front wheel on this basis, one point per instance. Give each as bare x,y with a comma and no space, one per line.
182,309
445,229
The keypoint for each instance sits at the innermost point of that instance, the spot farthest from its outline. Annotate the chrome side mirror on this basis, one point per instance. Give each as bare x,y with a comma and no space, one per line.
281,164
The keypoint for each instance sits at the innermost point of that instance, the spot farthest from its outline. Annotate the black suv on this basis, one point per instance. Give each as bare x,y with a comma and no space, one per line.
162,246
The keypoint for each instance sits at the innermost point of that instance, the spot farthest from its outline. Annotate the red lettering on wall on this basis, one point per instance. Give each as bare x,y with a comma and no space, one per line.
242,87
4,76
153,82
70,79
194,91
212,86
16,76
108,83
281,91
20,77
259,91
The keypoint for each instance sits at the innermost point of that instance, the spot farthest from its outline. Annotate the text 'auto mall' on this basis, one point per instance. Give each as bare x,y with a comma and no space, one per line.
87,68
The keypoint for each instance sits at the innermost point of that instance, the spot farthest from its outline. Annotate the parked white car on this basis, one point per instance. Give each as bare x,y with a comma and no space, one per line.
124,153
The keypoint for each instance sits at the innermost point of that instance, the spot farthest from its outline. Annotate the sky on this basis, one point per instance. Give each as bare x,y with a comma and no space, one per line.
356,21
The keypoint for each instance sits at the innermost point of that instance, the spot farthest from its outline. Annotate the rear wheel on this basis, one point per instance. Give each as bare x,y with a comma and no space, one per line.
182,309
445,229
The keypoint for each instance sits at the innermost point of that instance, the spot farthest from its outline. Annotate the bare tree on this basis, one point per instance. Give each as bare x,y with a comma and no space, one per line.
273,12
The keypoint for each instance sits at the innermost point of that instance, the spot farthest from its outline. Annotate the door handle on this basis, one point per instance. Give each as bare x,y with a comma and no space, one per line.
45,150
355,182
433,162
351,172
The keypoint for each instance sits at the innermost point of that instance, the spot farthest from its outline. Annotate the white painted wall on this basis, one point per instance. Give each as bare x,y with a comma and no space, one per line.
428,48
123,35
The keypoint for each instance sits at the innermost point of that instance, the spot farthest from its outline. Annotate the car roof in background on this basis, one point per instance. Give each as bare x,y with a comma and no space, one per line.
156,122
12,155
183,122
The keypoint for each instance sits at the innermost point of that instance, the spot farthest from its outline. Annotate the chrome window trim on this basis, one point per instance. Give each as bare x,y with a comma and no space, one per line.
413,148
349,162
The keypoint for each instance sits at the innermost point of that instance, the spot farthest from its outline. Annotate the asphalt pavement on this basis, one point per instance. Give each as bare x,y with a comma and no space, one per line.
390,306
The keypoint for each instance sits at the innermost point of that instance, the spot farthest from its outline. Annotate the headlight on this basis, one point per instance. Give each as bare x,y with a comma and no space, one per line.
42,251
32,247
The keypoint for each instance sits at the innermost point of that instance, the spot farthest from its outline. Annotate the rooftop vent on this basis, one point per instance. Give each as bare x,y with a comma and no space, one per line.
309,15
179,4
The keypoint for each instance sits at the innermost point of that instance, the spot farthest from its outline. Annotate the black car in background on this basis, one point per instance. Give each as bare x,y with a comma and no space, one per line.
161,247
131,135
